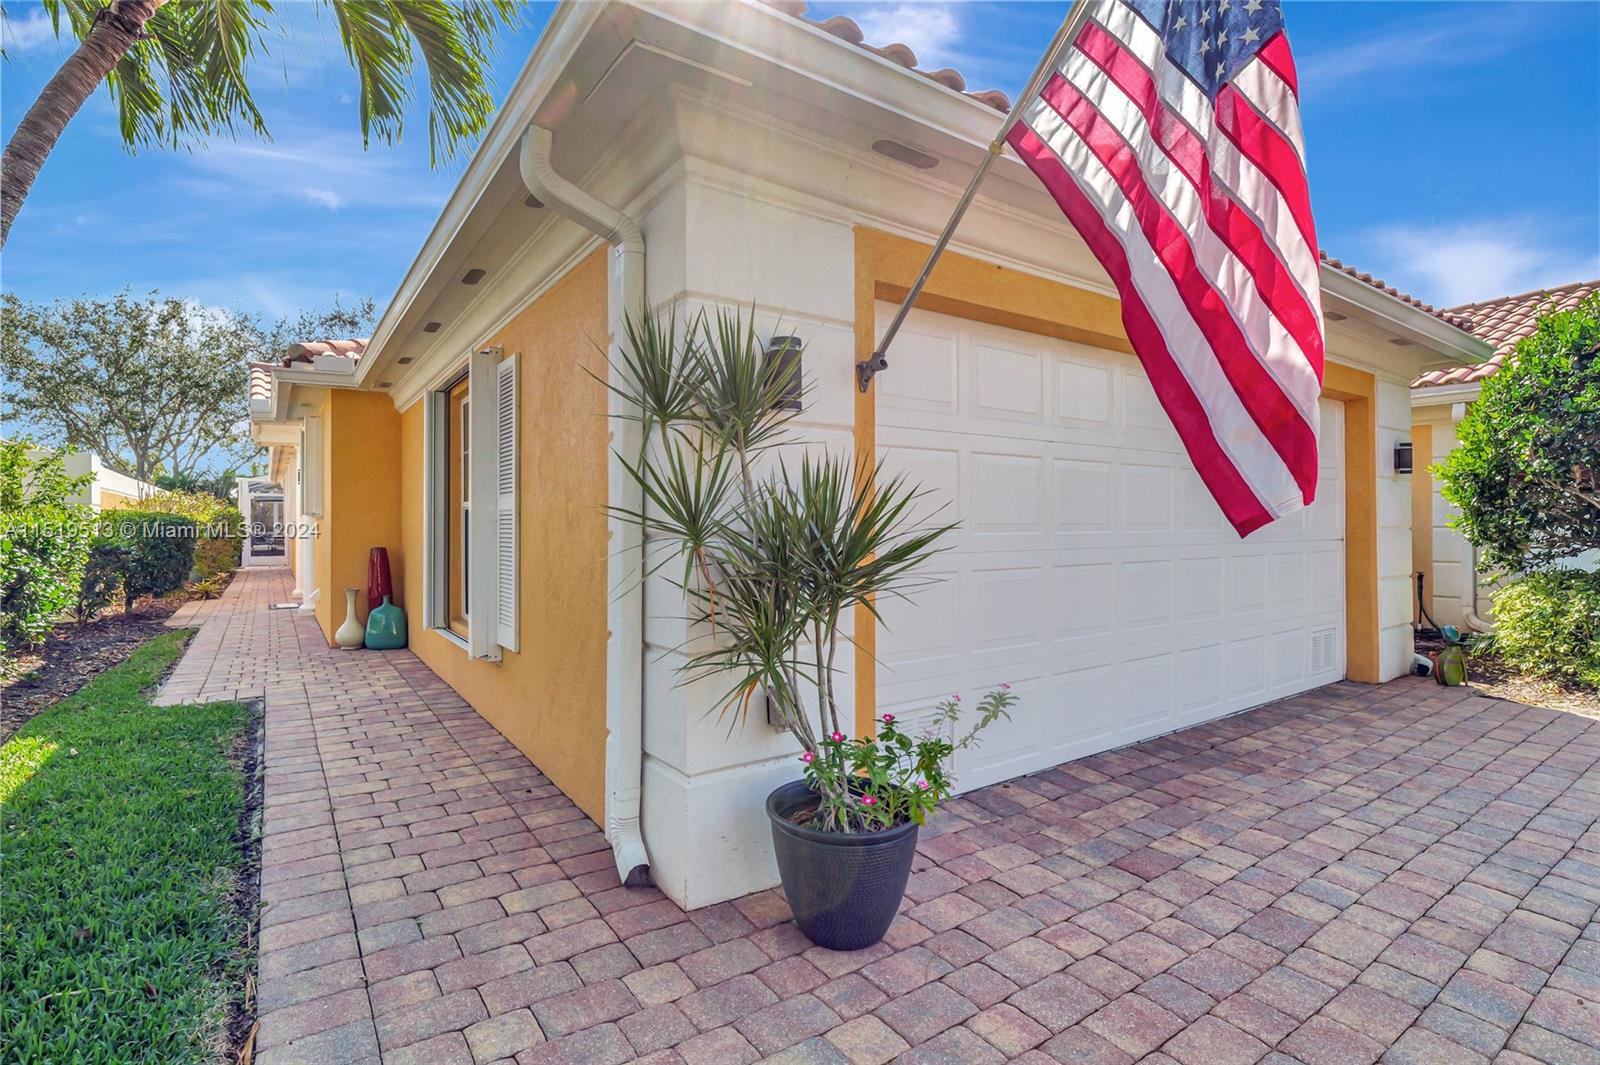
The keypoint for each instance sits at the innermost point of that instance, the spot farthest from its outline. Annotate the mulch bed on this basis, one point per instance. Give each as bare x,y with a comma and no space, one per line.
1494,678
73,654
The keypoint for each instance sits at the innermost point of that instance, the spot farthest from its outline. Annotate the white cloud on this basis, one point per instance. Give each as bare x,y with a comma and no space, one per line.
1467,261
1448,40
932,30
28,33
326,197
317,164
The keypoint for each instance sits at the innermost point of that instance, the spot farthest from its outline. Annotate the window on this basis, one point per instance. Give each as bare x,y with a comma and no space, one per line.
458,495
470,544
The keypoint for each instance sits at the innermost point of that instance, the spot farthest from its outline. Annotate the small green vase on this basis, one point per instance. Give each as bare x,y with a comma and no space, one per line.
386,627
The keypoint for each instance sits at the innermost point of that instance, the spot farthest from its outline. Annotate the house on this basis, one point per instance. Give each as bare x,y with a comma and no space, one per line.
1453,591
105,488
667,155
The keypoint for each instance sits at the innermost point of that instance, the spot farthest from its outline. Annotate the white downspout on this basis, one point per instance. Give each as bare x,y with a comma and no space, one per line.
625,608
1471,613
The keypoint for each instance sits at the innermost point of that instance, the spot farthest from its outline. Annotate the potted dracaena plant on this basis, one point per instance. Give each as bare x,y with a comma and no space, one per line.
771,554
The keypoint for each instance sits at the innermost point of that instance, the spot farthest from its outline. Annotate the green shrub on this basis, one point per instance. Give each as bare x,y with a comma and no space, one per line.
44,544
156,551
102,578
221,528
1524,476
1548,624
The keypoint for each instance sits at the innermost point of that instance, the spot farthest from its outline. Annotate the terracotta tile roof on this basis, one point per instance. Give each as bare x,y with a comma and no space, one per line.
1445,315
307,350
901,54
1502,322
261,380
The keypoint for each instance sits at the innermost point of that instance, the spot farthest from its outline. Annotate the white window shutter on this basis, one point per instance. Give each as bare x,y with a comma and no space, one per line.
505,453
311,444
483,477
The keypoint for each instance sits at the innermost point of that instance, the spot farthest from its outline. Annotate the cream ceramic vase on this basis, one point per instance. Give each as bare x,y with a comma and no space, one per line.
351,634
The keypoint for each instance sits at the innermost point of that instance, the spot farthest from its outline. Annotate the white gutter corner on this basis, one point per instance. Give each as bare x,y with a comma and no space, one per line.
624,578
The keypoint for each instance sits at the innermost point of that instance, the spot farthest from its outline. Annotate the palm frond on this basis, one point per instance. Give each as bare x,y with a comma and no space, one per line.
378,46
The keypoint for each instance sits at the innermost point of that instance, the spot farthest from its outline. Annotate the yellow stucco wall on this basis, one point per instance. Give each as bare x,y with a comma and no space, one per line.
361,440
548,698
110,500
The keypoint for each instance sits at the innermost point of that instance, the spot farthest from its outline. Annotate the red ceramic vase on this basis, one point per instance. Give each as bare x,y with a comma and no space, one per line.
378,580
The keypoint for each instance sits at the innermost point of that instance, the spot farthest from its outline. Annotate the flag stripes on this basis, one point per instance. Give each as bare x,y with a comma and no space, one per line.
1178,154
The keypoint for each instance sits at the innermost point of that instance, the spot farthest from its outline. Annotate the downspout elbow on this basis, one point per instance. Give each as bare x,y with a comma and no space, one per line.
624,751
598,217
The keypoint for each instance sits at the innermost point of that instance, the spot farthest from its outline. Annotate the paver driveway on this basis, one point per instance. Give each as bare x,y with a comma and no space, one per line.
1405,872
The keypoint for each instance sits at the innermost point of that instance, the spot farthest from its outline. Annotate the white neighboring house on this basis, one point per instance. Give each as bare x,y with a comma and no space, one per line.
1453,591
106,488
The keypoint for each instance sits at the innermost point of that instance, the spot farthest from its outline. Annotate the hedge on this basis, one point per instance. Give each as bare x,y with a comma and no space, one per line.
152,553
221,529
43,545
1548,624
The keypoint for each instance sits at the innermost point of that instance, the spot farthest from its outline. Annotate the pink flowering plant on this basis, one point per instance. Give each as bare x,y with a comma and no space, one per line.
876,782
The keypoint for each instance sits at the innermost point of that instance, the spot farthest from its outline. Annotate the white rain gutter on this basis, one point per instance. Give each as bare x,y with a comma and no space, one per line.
625,605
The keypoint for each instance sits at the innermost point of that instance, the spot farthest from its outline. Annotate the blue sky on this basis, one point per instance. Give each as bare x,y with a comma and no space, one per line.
1454,150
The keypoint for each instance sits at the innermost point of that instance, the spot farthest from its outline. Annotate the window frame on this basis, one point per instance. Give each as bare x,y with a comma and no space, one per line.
478,466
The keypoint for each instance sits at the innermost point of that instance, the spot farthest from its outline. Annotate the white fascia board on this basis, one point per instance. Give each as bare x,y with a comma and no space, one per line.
1441,395
569,24
286,379
1401,318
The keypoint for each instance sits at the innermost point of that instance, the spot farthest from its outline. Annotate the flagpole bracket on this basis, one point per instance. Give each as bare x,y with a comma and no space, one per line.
866,371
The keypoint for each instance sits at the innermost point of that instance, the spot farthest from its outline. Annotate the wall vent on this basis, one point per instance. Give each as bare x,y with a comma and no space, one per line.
1324,650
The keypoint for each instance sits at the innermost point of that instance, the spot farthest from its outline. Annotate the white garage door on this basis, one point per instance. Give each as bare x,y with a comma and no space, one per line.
1092,569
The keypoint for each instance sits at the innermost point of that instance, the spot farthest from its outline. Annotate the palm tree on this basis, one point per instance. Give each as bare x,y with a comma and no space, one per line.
178,71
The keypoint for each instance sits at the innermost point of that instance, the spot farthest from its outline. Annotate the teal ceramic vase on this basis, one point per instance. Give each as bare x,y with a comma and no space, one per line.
386,627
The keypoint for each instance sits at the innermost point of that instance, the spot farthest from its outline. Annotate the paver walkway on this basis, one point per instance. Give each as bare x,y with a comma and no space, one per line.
1405,872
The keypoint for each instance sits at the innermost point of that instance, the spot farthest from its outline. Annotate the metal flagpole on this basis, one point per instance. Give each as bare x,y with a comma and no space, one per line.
879,362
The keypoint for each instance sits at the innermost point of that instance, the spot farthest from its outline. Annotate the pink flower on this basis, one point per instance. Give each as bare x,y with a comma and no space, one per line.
837,737
956,698
868,800
923,784
888,719
1005,687
808,757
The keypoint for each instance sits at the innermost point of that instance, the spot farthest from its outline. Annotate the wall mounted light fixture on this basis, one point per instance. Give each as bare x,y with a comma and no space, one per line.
783,364
1402,457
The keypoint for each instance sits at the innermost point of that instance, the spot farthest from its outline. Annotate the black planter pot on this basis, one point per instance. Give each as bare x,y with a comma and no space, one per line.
844,887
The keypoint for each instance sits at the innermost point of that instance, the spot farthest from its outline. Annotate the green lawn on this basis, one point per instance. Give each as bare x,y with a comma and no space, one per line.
120,943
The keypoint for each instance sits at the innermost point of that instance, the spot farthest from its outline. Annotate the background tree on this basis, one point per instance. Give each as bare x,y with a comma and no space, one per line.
155,386
1527,474
181,70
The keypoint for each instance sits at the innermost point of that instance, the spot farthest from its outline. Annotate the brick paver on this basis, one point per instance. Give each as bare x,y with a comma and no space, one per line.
1403,873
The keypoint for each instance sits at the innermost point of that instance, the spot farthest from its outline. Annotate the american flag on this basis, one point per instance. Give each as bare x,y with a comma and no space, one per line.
1169,134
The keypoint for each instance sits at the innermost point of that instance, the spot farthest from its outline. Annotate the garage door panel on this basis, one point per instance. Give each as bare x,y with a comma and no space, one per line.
1008,382
1008,492
929,384
1144,594
1093,571
1083,392
1199,595
1084,495
1201,689
1008,608
923,628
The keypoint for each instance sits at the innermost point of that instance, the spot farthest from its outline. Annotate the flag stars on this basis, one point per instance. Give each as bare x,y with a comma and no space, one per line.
1250,36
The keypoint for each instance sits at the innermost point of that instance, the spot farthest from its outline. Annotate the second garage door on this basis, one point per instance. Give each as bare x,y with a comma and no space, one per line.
1092,570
